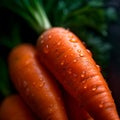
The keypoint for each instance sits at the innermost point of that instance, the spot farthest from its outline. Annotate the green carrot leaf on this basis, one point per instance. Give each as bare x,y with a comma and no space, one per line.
32,11
4,78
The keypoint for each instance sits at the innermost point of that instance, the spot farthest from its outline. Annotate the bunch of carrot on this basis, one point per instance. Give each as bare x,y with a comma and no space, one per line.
60,59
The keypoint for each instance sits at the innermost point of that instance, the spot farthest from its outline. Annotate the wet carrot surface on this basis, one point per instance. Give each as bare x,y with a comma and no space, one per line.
35,85
64,54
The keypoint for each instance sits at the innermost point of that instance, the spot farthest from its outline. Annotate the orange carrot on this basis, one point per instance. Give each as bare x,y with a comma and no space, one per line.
74,110
14,108
64,54
35,85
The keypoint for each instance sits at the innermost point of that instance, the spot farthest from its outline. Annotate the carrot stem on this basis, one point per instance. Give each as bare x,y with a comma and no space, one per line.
32,12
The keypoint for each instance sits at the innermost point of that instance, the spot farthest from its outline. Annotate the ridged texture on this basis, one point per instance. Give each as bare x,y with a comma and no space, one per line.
67,58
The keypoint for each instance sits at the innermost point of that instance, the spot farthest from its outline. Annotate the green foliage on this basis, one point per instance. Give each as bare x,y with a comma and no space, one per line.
4,79
31,11
9,41
88,19
13,39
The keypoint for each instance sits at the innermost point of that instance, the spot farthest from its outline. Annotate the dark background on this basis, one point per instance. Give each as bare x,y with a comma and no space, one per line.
114,67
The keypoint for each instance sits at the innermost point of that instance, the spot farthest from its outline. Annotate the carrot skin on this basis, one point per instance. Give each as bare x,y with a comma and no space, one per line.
74,109
35,85
67,58
14,108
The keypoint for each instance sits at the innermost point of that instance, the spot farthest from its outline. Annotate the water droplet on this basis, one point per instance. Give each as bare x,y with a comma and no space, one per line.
65,56
73,40
46,50
41,36
83,74
46,46
49,36
81,55
79,51
83,81
98,67
94,88
62,63
58,43
85,87
100,105
89,52
74,60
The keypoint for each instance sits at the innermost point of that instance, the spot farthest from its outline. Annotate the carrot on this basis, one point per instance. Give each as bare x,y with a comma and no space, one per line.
14,108
36,86
64,54
74,109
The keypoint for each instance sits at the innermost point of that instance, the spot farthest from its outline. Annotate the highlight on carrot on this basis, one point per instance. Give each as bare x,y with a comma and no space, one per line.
14,108
35,85
64,54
